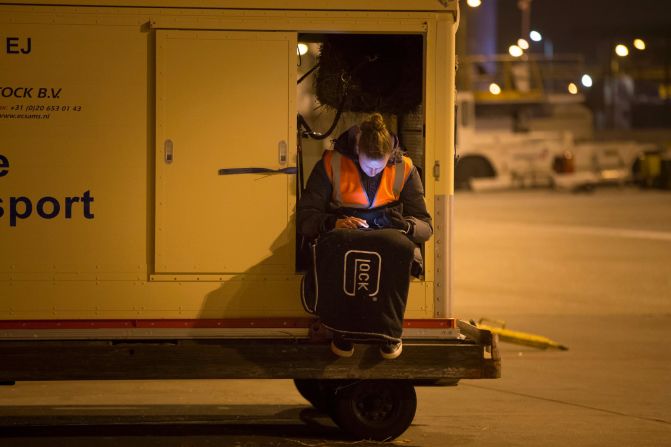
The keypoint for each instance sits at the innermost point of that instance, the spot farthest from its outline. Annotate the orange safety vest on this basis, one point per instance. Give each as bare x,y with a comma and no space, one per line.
348,191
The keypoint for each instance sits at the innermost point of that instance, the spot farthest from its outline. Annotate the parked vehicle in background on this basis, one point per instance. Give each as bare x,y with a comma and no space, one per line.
519,125
652,169
610,163
496,156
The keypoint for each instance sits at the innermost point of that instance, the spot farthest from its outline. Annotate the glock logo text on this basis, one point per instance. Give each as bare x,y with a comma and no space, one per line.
362,273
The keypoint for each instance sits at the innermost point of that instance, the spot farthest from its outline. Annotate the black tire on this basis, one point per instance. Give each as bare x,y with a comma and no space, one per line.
470,167
380,410
320,393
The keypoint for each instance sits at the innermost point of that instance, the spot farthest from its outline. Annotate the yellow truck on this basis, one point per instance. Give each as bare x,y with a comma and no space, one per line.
125,254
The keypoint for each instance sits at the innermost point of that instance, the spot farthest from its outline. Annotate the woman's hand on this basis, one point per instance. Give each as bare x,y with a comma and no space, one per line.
351,222
392,218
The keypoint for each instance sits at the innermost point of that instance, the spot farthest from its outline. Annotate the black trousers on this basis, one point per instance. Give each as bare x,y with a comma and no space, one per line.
358,283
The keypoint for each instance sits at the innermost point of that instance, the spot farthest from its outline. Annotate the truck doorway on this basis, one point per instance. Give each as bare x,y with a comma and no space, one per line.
343,78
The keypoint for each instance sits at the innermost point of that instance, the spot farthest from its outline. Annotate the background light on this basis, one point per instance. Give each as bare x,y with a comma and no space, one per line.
515,51
639,44
621,50
494,88
535,36
523,44
474,3
302,49
573,89
586,80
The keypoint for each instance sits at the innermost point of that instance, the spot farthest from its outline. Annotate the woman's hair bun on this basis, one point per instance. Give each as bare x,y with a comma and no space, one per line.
377,122
375,140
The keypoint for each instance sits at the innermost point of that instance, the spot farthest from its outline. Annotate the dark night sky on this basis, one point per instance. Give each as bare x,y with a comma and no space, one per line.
584,26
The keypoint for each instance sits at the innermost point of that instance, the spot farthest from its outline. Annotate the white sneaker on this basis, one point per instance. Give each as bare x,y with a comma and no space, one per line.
391,349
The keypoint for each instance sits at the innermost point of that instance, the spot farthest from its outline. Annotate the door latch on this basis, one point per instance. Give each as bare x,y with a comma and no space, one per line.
167,151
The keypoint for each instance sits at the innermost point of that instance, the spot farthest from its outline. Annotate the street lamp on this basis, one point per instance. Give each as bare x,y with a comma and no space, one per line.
515,51
535,36
572,88
639,44
586,80
494,88
523,44
622,50
473,3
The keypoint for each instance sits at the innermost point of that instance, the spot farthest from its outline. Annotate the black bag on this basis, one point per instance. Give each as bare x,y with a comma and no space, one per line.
358,283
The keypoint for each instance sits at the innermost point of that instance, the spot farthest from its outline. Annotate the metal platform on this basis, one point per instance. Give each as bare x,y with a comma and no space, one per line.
474,356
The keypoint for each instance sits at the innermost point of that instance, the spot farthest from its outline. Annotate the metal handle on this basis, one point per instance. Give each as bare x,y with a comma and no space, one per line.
283,152
167,151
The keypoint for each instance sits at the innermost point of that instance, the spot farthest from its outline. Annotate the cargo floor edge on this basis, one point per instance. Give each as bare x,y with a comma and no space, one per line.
475,356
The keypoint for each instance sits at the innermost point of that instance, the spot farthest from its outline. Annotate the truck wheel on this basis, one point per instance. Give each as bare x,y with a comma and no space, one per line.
380,410
320,393
470,167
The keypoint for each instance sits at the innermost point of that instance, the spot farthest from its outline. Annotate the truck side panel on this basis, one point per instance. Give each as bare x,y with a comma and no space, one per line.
96,224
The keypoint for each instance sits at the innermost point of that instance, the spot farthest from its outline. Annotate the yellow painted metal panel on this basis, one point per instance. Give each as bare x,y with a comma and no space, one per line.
236,298
224,100
305,21
73,125
440,91
416,306
318,22
445,69
102,60
362,5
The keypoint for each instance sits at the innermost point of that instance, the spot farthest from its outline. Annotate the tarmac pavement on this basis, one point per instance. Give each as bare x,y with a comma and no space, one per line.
592,271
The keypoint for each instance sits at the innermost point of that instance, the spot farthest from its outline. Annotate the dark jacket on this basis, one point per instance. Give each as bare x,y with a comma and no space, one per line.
316,213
